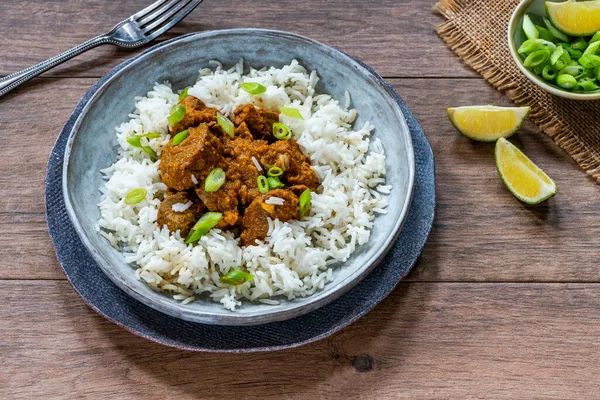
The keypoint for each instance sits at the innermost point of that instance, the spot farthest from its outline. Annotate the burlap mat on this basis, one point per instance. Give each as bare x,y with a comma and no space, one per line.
476,31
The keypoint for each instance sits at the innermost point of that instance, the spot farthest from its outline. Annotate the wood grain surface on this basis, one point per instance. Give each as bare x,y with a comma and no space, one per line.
503,303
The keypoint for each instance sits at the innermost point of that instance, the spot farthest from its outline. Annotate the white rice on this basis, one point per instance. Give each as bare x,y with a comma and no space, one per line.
277,201
296,258
181,207
256,164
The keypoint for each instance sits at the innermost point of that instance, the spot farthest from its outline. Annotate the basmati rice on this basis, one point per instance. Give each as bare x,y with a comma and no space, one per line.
296,258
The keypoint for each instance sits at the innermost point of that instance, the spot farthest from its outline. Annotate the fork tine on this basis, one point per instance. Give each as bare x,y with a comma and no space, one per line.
174,21
166,16
148,9
164,9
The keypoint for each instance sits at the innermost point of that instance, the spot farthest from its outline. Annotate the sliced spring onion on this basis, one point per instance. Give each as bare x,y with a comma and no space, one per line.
183,94
262,183
560,64
226,125
595,38
275,183
556,55
590,61
597,73
574,53
588,84
274,171
536,58
592,48
253,87
544,33
214,180
180,137
573,70
549,73
135,141
204,224
529,28
579,44
177,114
291,112
528,46
566,81
555,32
236,277
281,131
151,135
304,202
150,151
136,196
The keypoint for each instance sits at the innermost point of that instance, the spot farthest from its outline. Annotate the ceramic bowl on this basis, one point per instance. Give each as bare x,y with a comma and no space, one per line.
516,37
92,146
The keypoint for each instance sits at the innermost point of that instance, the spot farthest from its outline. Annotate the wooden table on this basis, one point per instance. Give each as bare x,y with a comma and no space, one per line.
503,303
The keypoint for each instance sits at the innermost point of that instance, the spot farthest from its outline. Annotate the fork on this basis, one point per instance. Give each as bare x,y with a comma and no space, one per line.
137,30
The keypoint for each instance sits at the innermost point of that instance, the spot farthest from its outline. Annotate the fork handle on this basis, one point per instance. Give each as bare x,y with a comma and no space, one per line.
10,82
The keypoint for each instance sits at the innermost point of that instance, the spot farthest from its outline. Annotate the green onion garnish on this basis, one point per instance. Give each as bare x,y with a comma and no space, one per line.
136,196
226,125
274,171
151,135
304,202
236,277
135,142
579,44
180,137
274,183
291,112
204,224
214,180
281,131
183,94
573,70
262,183
595,38
253,87
177,114
566,81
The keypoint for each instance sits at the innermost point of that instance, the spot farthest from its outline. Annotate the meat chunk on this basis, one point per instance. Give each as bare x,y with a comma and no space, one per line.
241,167
255,221
196,113
223,200
286,154
259,121
197,155
179,221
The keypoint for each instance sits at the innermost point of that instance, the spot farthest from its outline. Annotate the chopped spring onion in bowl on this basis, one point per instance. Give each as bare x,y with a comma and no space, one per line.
236,277
136,196
214,180
226,125
253,87
180,137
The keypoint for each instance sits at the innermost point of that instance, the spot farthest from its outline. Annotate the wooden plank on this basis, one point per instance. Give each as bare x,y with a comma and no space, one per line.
396,38
481,232
433,340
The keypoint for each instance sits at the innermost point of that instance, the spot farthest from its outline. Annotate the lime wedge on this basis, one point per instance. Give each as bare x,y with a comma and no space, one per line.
525,180
487,123
575,18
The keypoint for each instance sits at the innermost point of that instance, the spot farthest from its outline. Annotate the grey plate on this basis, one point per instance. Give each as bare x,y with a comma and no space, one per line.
92,146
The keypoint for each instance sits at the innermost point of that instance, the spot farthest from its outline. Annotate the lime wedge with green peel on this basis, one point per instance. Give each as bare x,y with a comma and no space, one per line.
575,18
487,123
525,180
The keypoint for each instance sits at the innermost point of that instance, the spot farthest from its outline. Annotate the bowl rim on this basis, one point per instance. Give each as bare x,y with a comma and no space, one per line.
318,299
518,13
